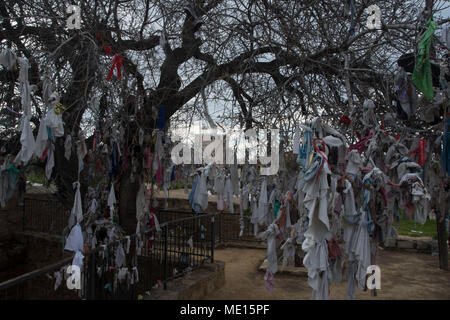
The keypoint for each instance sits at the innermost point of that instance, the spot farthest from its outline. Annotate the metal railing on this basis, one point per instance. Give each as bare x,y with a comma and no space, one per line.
231,228
44,215
37,285
227,224
51,216
182,245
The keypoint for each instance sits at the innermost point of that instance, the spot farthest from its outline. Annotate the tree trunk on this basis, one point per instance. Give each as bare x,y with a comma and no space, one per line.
127,202
440,225
127,189
441,212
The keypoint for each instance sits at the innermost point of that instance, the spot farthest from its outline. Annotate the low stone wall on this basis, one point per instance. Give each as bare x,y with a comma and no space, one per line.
423,245
193,286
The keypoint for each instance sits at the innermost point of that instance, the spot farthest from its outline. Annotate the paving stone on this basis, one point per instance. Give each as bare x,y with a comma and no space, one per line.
405,244
423,245
391,243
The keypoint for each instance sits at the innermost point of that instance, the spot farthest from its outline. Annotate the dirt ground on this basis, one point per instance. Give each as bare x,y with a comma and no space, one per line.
404,275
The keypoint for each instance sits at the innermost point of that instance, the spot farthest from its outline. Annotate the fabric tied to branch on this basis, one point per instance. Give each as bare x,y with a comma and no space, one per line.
8,59
420,152
316,262
116,64
111,200
272,262
422,71
76,214
27,141
268,277
74,241
362,144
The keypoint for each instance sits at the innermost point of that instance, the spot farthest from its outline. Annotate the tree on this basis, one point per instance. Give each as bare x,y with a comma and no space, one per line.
268,63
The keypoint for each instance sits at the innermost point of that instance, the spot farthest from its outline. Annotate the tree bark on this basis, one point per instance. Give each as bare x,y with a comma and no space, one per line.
127,202
440,225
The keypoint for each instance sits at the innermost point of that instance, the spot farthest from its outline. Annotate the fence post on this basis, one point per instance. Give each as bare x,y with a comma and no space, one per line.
165,255
213,239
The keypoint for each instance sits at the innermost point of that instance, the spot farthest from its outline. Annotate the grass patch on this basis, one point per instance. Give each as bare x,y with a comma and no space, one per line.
33,177
179,185
428,229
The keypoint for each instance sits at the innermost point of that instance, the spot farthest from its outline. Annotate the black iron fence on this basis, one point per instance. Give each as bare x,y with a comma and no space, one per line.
152,259
51,216
185,241
231,228
38,285
44,215
228,225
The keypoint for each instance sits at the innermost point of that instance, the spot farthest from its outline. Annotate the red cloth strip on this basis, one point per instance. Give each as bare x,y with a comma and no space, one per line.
361,144
220,126
117,63
106,48
323,156
382,126
345,119
420,151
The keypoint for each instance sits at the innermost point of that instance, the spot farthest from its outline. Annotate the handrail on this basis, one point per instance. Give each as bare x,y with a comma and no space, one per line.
153,229
181,211
35,273
190,218
195,213
8,283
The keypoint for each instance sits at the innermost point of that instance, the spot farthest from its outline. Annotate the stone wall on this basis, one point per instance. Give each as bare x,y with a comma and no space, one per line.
423,245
